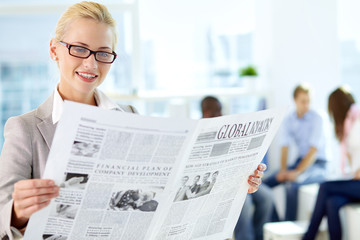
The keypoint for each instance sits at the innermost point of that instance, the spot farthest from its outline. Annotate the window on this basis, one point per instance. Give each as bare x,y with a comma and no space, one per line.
349,36
195,44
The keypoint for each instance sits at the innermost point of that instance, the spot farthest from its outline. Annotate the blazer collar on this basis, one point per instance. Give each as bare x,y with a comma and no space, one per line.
44,113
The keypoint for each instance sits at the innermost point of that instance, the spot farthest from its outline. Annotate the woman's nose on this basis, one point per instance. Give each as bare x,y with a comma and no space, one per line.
90,62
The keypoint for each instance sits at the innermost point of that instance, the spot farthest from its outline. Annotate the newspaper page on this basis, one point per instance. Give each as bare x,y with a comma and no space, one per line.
125,176
210,191
112,168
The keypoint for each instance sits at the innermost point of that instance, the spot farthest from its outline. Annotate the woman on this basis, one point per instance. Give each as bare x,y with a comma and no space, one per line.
335,194
83,48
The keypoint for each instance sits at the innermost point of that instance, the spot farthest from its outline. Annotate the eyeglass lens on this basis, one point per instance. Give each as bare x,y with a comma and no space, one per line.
84,53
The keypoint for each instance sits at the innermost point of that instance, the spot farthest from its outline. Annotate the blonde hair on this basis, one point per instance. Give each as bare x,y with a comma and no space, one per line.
85,9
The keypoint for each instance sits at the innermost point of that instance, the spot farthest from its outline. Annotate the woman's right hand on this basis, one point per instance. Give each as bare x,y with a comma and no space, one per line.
30,196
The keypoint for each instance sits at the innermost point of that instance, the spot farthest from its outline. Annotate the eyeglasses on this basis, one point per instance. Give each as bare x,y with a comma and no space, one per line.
83,52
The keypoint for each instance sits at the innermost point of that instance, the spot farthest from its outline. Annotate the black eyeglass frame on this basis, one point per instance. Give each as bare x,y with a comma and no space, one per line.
68,46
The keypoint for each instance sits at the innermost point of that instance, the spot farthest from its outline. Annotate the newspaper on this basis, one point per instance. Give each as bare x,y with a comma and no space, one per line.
126,176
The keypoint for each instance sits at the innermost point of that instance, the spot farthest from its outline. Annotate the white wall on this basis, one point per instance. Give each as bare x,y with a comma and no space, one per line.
296,41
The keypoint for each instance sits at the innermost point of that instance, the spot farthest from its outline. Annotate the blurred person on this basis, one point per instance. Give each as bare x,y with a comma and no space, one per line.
304,127
83,49
251,221
194,188
333,195
205,182
211,185
181,193
210,107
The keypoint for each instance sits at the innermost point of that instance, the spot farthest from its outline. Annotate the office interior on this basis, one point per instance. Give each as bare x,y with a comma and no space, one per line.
173,53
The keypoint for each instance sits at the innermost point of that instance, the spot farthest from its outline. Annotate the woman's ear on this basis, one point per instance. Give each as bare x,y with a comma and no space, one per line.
53,53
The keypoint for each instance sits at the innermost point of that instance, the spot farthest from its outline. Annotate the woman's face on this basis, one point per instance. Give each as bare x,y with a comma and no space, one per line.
79,77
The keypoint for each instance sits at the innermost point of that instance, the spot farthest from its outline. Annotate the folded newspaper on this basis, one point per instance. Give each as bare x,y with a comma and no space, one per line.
126,176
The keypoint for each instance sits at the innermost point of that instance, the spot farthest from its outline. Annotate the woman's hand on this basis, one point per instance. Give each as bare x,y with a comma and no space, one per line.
30,196
255,179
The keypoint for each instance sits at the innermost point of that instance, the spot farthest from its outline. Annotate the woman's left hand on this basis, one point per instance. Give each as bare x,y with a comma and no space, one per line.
255,179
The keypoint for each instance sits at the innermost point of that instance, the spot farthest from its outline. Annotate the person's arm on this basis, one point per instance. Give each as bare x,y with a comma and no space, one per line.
315,141
307,161
282,174
286,138
19,196
284,155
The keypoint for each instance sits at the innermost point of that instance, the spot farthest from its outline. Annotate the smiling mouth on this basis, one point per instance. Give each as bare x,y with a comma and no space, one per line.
87,77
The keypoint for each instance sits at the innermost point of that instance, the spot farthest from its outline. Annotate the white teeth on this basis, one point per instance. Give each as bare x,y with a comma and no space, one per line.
87,75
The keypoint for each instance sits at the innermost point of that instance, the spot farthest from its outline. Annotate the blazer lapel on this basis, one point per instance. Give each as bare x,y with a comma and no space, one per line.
47,130
46,126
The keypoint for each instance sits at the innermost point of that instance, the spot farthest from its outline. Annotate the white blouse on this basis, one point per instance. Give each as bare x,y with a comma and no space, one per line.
353,145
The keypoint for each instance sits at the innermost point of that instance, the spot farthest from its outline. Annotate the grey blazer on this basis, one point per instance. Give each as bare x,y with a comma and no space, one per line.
27,143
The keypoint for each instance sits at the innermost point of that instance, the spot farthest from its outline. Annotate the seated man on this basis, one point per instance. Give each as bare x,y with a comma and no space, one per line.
305,128
250,223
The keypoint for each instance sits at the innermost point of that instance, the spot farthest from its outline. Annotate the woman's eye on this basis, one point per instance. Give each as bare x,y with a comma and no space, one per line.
79,50
103,54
